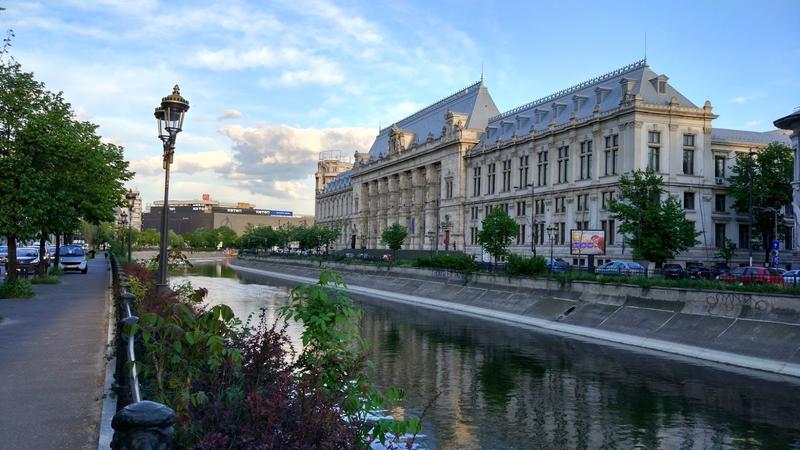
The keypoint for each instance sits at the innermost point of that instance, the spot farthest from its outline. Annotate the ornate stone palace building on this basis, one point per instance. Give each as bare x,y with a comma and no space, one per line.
551,164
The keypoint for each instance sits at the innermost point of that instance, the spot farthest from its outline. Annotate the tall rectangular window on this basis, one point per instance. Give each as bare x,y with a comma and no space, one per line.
719,167
491,178
563,164
561,204
523,171
688,154
476,181
474,213
540,233
611,154
744,236
520,233
521,208
539,206
561,239
719,234
606,199
719,203
586,160
473,235
506,175
583,202
609,228
653,150
688,200
448,188
542,168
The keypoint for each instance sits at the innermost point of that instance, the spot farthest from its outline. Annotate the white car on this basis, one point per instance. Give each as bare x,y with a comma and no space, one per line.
792,277
72,257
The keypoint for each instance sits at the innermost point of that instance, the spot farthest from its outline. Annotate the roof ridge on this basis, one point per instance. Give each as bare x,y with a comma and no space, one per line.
433,106
614,73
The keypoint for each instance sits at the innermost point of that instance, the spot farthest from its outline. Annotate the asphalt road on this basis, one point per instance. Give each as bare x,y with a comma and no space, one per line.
52,350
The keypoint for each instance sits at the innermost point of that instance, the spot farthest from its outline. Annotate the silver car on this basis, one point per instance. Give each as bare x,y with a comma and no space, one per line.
72,258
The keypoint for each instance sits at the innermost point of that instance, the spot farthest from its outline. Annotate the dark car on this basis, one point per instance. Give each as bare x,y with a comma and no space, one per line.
673,271
704,273
27,260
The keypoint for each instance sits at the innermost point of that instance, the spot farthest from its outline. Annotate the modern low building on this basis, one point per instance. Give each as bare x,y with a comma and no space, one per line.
553,163
190,215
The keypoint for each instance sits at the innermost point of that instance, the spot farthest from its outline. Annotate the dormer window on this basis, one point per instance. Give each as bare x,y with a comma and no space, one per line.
660,84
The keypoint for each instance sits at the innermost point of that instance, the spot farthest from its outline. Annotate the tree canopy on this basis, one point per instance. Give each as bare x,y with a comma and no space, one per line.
394,236
767,177
497,231
655,229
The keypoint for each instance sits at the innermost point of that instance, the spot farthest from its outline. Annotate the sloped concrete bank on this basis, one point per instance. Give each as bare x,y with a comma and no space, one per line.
754,331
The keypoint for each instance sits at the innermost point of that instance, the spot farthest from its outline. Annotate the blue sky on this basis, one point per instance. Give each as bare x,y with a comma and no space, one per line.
271,83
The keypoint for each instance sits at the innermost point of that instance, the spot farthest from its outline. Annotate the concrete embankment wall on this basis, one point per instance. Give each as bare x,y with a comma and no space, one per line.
756,331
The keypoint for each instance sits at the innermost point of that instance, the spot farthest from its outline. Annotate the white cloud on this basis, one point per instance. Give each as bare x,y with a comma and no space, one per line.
233,59
229,114
744,99
752,123
187,163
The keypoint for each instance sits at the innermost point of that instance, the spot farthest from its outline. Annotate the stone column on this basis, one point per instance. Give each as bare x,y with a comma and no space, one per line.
418,182
393,210
431,205
363,215
404,204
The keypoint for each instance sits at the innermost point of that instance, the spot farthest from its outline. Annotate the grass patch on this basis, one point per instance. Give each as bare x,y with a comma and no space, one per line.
45,279
16,289
55,271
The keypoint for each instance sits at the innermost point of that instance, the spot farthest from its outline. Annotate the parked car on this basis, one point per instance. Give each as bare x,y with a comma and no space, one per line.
3,254
626,268
72,258
557,265
387,257
752,275
673,271
792,277
27,260
705,273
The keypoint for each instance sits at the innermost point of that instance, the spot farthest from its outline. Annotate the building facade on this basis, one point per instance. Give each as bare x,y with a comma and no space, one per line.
191,215
552,164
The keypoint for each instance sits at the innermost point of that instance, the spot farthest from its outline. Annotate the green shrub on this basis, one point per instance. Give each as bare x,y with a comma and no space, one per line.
45,279
55,271
16,289
462,263
520,265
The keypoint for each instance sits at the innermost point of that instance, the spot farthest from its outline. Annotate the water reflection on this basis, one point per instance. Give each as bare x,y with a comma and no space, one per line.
509,388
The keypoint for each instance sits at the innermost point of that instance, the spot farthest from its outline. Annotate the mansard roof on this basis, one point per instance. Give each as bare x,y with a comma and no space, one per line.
474,101
728,136
600,94
340,181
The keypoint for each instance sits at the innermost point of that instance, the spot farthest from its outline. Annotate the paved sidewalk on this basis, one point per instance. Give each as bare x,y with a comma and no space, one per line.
52,350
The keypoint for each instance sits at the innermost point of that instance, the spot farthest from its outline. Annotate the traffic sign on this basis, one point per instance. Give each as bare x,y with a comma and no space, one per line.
776,260
776,244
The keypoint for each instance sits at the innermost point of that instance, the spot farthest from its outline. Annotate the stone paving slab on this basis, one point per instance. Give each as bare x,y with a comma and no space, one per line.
52,350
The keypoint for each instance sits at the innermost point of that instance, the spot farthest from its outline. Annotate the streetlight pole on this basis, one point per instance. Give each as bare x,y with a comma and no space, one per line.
551,234
170,116
750,155
131,197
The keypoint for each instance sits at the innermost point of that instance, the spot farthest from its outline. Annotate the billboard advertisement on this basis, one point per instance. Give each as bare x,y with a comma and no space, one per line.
587,242
275,212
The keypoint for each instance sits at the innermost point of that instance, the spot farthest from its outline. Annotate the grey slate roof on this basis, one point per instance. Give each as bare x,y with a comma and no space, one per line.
558,107
341,181
726,135
474,100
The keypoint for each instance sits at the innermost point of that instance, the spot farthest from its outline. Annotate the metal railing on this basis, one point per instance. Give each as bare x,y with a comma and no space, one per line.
138,424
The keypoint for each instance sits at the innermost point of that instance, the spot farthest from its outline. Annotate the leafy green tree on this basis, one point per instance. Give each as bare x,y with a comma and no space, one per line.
329,235
394,236
655,229
764,183
498,229
148,238
726,252
227,236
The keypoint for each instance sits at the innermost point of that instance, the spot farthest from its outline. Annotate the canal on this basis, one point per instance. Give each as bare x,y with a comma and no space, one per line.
501,387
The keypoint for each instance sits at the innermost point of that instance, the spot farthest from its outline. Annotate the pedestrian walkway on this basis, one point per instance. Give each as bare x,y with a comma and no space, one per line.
52,356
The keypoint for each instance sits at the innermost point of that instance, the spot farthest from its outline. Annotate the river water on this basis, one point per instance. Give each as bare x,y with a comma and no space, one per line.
501,387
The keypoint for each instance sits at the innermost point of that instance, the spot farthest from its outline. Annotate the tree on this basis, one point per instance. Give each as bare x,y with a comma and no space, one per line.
497,231
148,238
655,229
726,252
764,184
394,236
227,236
329,235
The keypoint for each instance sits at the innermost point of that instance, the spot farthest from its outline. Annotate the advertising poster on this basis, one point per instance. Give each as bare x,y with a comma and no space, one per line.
587,242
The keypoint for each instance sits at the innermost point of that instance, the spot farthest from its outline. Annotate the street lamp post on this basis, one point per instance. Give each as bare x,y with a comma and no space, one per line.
551,234
750,156
131,197
170,116
123,220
